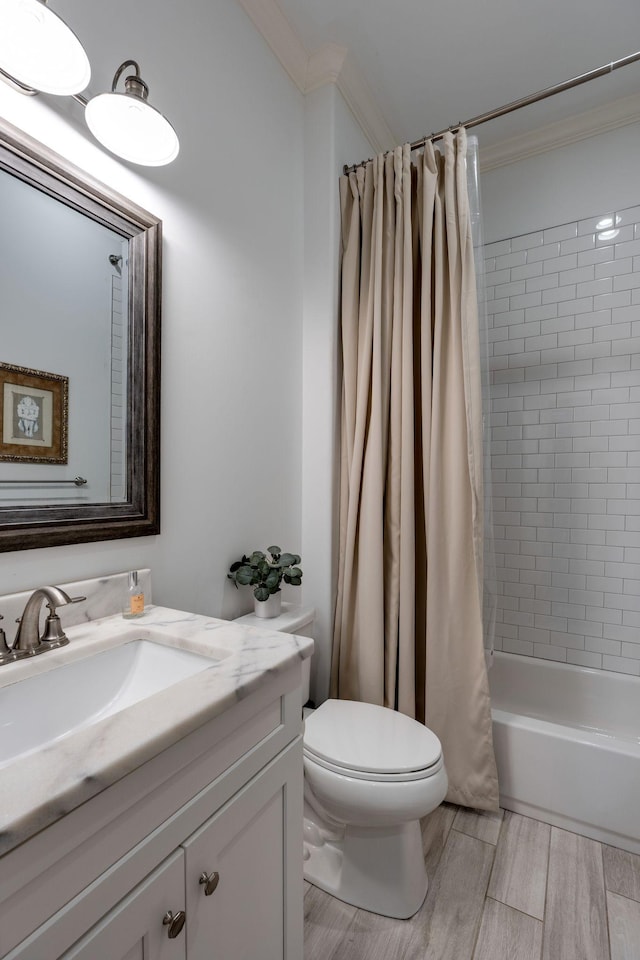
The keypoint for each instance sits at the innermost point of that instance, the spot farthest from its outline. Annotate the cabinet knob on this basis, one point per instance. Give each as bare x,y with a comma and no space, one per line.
174,922
209,881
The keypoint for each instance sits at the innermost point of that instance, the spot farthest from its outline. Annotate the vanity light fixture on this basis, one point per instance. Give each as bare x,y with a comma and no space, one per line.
38,51
127,125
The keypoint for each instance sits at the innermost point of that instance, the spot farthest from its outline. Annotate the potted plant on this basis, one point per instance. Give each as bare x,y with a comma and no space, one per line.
265,572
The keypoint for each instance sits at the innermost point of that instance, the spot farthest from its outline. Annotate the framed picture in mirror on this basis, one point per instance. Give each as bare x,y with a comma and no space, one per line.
33,415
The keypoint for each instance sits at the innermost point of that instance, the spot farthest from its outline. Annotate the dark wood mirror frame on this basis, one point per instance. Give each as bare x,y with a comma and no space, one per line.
27,527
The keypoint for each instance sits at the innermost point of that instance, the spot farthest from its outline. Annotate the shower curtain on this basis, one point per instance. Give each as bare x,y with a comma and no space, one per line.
408,628
490,577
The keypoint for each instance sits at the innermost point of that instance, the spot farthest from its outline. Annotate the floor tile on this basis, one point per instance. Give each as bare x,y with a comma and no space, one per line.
622,873
575,919
371,937
624,927
507,934
479,823
519,876
446,926
326,922
435,832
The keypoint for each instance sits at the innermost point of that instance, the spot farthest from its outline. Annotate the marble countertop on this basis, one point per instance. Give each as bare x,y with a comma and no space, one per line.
41,787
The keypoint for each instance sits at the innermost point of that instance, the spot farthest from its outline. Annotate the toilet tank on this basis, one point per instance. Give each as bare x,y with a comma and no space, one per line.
293,619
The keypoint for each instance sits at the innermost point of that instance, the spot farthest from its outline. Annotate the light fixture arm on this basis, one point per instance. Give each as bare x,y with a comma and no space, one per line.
17,84
134,84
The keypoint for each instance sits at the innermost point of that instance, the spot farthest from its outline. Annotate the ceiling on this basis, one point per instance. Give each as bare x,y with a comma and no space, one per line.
431,65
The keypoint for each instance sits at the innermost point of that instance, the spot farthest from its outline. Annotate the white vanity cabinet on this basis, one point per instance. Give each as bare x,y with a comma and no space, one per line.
225,800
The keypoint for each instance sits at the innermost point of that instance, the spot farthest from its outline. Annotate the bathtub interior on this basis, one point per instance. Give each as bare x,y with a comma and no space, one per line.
581,697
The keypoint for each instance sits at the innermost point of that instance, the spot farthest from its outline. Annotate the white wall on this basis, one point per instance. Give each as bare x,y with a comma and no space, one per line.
332,138
232,207
564,313
572,183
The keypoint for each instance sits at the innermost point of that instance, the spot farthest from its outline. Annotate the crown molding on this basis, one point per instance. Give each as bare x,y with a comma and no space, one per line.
610,116
270,21
325,66
330,64
358,96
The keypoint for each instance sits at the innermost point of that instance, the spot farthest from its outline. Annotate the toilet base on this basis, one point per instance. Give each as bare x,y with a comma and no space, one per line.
378,869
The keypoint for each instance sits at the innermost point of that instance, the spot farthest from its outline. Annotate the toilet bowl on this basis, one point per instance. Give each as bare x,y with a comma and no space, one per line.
370,775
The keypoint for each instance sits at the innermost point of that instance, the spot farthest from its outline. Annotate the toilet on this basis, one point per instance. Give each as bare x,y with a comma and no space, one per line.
370,775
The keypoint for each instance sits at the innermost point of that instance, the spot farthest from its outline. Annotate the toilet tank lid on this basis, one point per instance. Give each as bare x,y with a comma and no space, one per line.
369,738
293,618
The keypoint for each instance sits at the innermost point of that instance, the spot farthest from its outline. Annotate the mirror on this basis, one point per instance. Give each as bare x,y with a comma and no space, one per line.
80,270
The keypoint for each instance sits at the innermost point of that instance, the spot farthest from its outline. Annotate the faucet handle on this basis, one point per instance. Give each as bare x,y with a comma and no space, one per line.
54,635
6,653
53,606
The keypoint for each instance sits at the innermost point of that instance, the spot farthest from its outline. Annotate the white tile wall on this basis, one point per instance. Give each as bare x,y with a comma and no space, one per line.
564,331
118,481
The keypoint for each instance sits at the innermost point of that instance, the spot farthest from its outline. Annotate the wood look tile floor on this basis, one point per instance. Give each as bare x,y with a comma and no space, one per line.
501,887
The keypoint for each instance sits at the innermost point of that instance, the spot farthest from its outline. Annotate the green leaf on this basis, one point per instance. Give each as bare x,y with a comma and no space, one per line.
287,559
256,557
245,576
294,581
261,593
272,580
295,572
274,551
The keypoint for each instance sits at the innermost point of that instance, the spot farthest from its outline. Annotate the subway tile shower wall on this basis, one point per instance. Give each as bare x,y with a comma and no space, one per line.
564,332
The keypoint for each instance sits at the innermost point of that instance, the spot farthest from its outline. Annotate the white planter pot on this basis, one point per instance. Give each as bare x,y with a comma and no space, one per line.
268,608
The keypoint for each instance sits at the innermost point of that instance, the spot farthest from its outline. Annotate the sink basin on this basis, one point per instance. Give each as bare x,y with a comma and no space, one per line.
42,709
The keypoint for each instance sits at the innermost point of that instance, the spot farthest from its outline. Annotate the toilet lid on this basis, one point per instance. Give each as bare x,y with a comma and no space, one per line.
370,739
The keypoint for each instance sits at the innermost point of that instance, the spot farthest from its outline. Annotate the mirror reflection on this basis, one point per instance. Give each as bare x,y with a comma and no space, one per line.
64,282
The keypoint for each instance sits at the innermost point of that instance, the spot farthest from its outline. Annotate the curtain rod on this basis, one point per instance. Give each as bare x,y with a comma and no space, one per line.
515,104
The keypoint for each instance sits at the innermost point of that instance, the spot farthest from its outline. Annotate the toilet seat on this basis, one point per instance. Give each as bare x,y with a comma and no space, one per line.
374,777
369,742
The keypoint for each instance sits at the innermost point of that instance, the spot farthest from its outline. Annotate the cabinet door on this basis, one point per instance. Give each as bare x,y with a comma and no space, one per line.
134,930
254,845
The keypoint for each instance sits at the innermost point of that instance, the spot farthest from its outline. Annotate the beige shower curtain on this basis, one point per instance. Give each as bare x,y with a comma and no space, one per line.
408,627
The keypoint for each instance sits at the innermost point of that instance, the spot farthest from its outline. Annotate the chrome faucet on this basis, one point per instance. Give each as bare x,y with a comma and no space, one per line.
28,641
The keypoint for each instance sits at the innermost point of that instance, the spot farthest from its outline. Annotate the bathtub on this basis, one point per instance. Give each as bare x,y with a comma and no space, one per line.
567,743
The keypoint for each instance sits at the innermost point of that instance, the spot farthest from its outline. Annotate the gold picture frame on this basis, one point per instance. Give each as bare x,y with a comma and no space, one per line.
34,410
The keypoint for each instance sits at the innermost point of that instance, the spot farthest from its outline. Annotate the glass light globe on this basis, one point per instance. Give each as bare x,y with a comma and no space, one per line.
132,129
39,50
